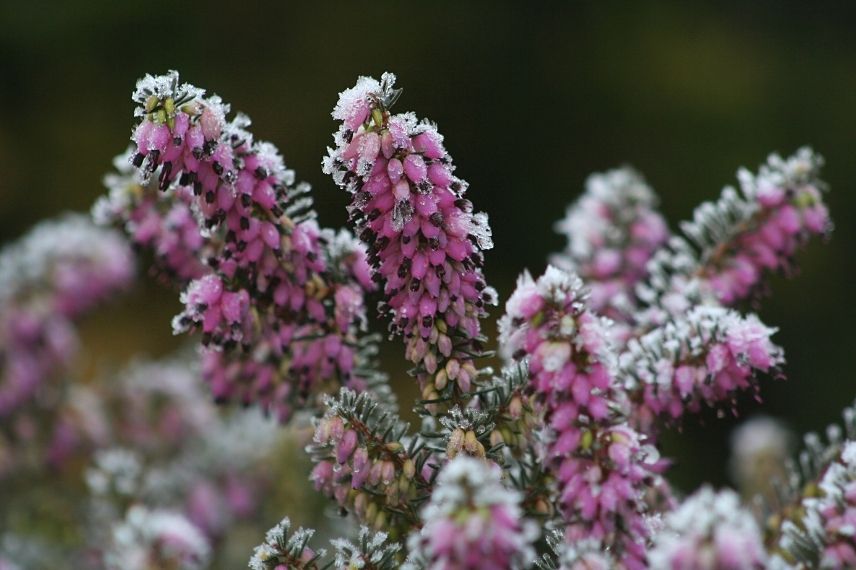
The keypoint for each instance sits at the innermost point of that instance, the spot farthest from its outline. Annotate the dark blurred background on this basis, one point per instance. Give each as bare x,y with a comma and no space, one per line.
531,96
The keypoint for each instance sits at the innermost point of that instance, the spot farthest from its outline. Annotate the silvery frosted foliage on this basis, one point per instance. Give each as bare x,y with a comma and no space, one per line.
709,531
580,555
279,300
705,357
613,229
472,521
509,408
425,244
369,551
286,549
156,539
733,244
760,449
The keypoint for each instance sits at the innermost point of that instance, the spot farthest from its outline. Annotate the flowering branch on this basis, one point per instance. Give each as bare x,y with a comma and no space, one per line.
425,245
280,304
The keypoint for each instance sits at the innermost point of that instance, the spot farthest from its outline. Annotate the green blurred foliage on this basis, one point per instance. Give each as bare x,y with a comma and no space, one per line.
532,96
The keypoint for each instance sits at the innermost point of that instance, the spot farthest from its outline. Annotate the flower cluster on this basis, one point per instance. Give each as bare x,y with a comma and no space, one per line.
709,531
366,463
153,221
187,457
54,274
598,459
425,243
735,242
280,300
707,357
613,230
48,279
472,521
630,330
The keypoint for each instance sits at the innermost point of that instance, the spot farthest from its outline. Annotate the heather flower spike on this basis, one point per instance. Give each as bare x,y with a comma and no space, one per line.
808,521
733,243
53,275
280,301
472,521
166,226
707,356
602,465
50,278
425,244
613,230
366,462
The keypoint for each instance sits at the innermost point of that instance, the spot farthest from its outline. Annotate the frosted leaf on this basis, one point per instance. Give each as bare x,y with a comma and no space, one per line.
402,213
480,229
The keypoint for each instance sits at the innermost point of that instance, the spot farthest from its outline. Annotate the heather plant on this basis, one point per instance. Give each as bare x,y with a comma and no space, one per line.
537,447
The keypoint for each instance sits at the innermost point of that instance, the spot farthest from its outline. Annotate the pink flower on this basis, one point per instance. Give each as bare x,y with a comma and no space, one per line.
425,244
280,303
596,457
473,522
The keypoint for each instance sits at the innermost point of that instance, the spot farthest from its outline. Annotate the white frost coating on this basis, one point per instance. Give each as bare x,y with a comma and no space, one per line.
352,555
169,533
270,156
108,209
557,285
467,481
621,191
280,540
472,488
585,555
115,469
709,529
350,99
163,86
509,334
651,358
802,168
53,244
480,229
822,534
